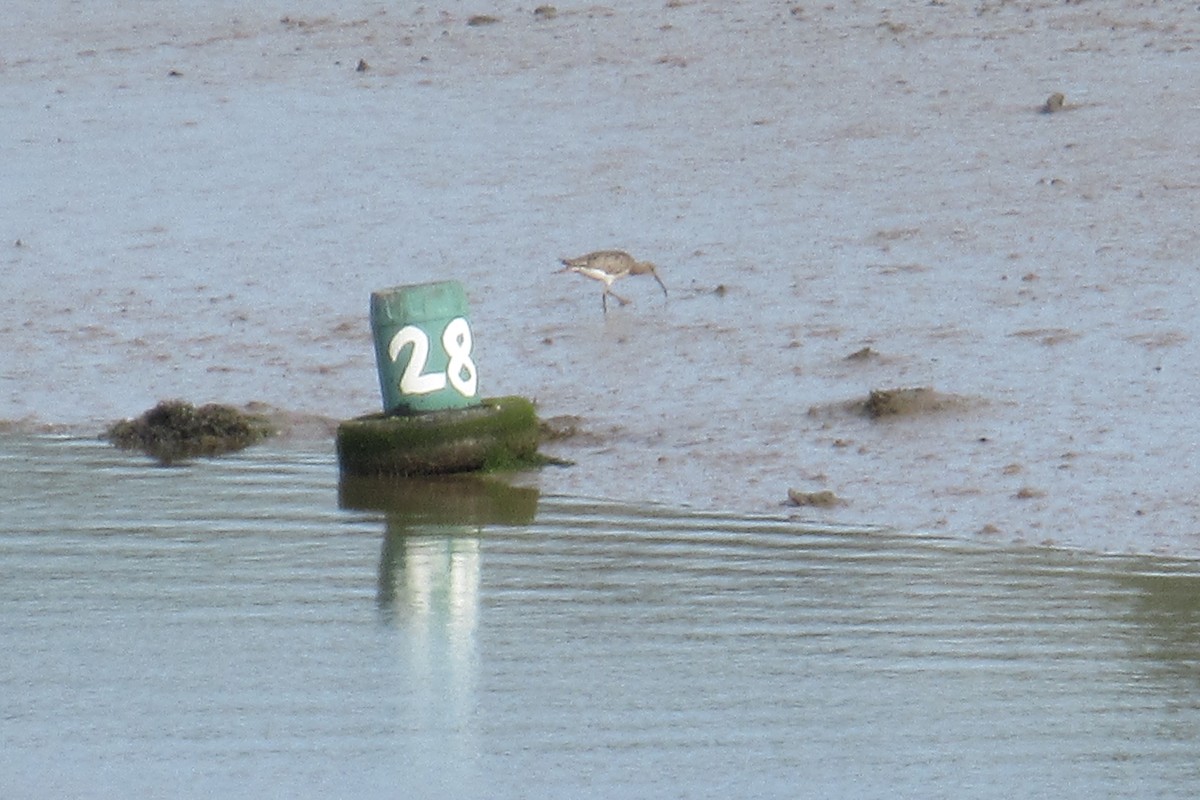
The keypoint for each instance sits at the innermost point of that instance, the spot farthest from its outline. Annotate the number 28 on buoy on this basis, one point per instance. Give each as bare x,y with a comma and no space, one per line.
460,369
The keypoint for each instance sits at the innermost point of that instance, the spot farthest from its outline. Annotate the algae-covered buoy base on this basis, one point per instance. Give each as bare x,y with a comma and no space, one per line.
499,433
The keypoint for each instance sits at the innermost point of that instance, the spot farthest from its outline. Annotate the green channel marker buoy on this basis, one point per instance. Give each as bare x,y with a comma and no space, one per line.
423,348
433,419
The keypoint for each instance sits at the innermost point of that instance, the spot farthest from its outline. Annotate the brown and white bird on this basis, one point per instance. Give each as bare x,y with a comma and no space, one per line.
607,266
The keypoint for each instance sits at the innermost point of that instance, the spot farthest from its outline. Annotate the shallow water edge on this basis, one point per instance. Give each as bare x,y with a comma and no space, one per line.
253,625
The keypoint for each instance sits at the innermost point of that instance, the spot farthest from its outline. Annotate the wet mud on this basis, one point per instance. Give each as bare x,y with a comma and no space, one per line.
199,202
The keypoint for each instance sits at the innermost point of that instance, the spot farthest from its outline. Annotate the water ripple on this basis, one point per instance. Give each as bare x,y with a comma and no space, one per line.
254,625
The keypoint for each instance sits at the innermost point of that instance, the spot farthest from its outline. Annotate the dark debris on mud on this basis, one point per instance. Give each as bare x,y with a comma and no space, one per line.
820,499
882,404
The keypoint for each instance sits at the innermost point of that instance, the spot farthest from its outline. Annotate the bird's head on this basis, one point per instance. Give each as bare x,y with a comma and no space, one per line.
645,267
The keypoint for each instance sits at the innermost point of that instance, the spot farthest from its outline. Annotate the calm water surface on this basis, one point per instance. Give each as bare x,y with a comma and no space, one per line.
248,627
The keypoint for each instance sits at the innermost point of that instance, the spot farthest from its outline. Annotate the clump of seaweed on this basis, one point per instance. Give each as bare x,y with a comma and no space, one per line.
175,430
558,428
821,499
882,404
906,402
1054,103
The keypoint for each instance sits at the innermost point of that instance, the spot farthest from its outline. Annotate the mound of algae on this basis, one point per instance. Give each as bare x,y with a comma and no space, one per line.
175,430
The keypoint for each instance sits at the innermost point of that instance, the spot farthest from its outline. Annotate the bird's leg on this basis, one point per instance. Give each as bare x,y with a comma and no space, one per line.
620,299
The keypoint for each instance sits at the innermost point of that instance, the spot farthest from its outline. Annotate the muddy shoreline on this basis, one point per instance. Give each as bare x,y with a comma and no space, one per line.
200,204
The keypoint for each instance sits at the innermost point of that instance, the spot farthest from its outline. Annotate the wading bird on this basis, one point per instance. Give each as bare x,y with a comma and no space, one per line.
607,266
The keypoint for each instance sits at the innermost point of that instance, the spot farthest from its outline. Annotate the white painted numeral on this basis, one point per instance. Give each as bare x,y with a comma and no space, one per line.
456,340
413,381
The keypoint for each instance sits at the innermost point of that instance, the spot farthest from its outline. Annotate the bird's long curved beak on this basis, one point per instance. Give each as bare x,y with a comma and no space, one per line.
660,283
